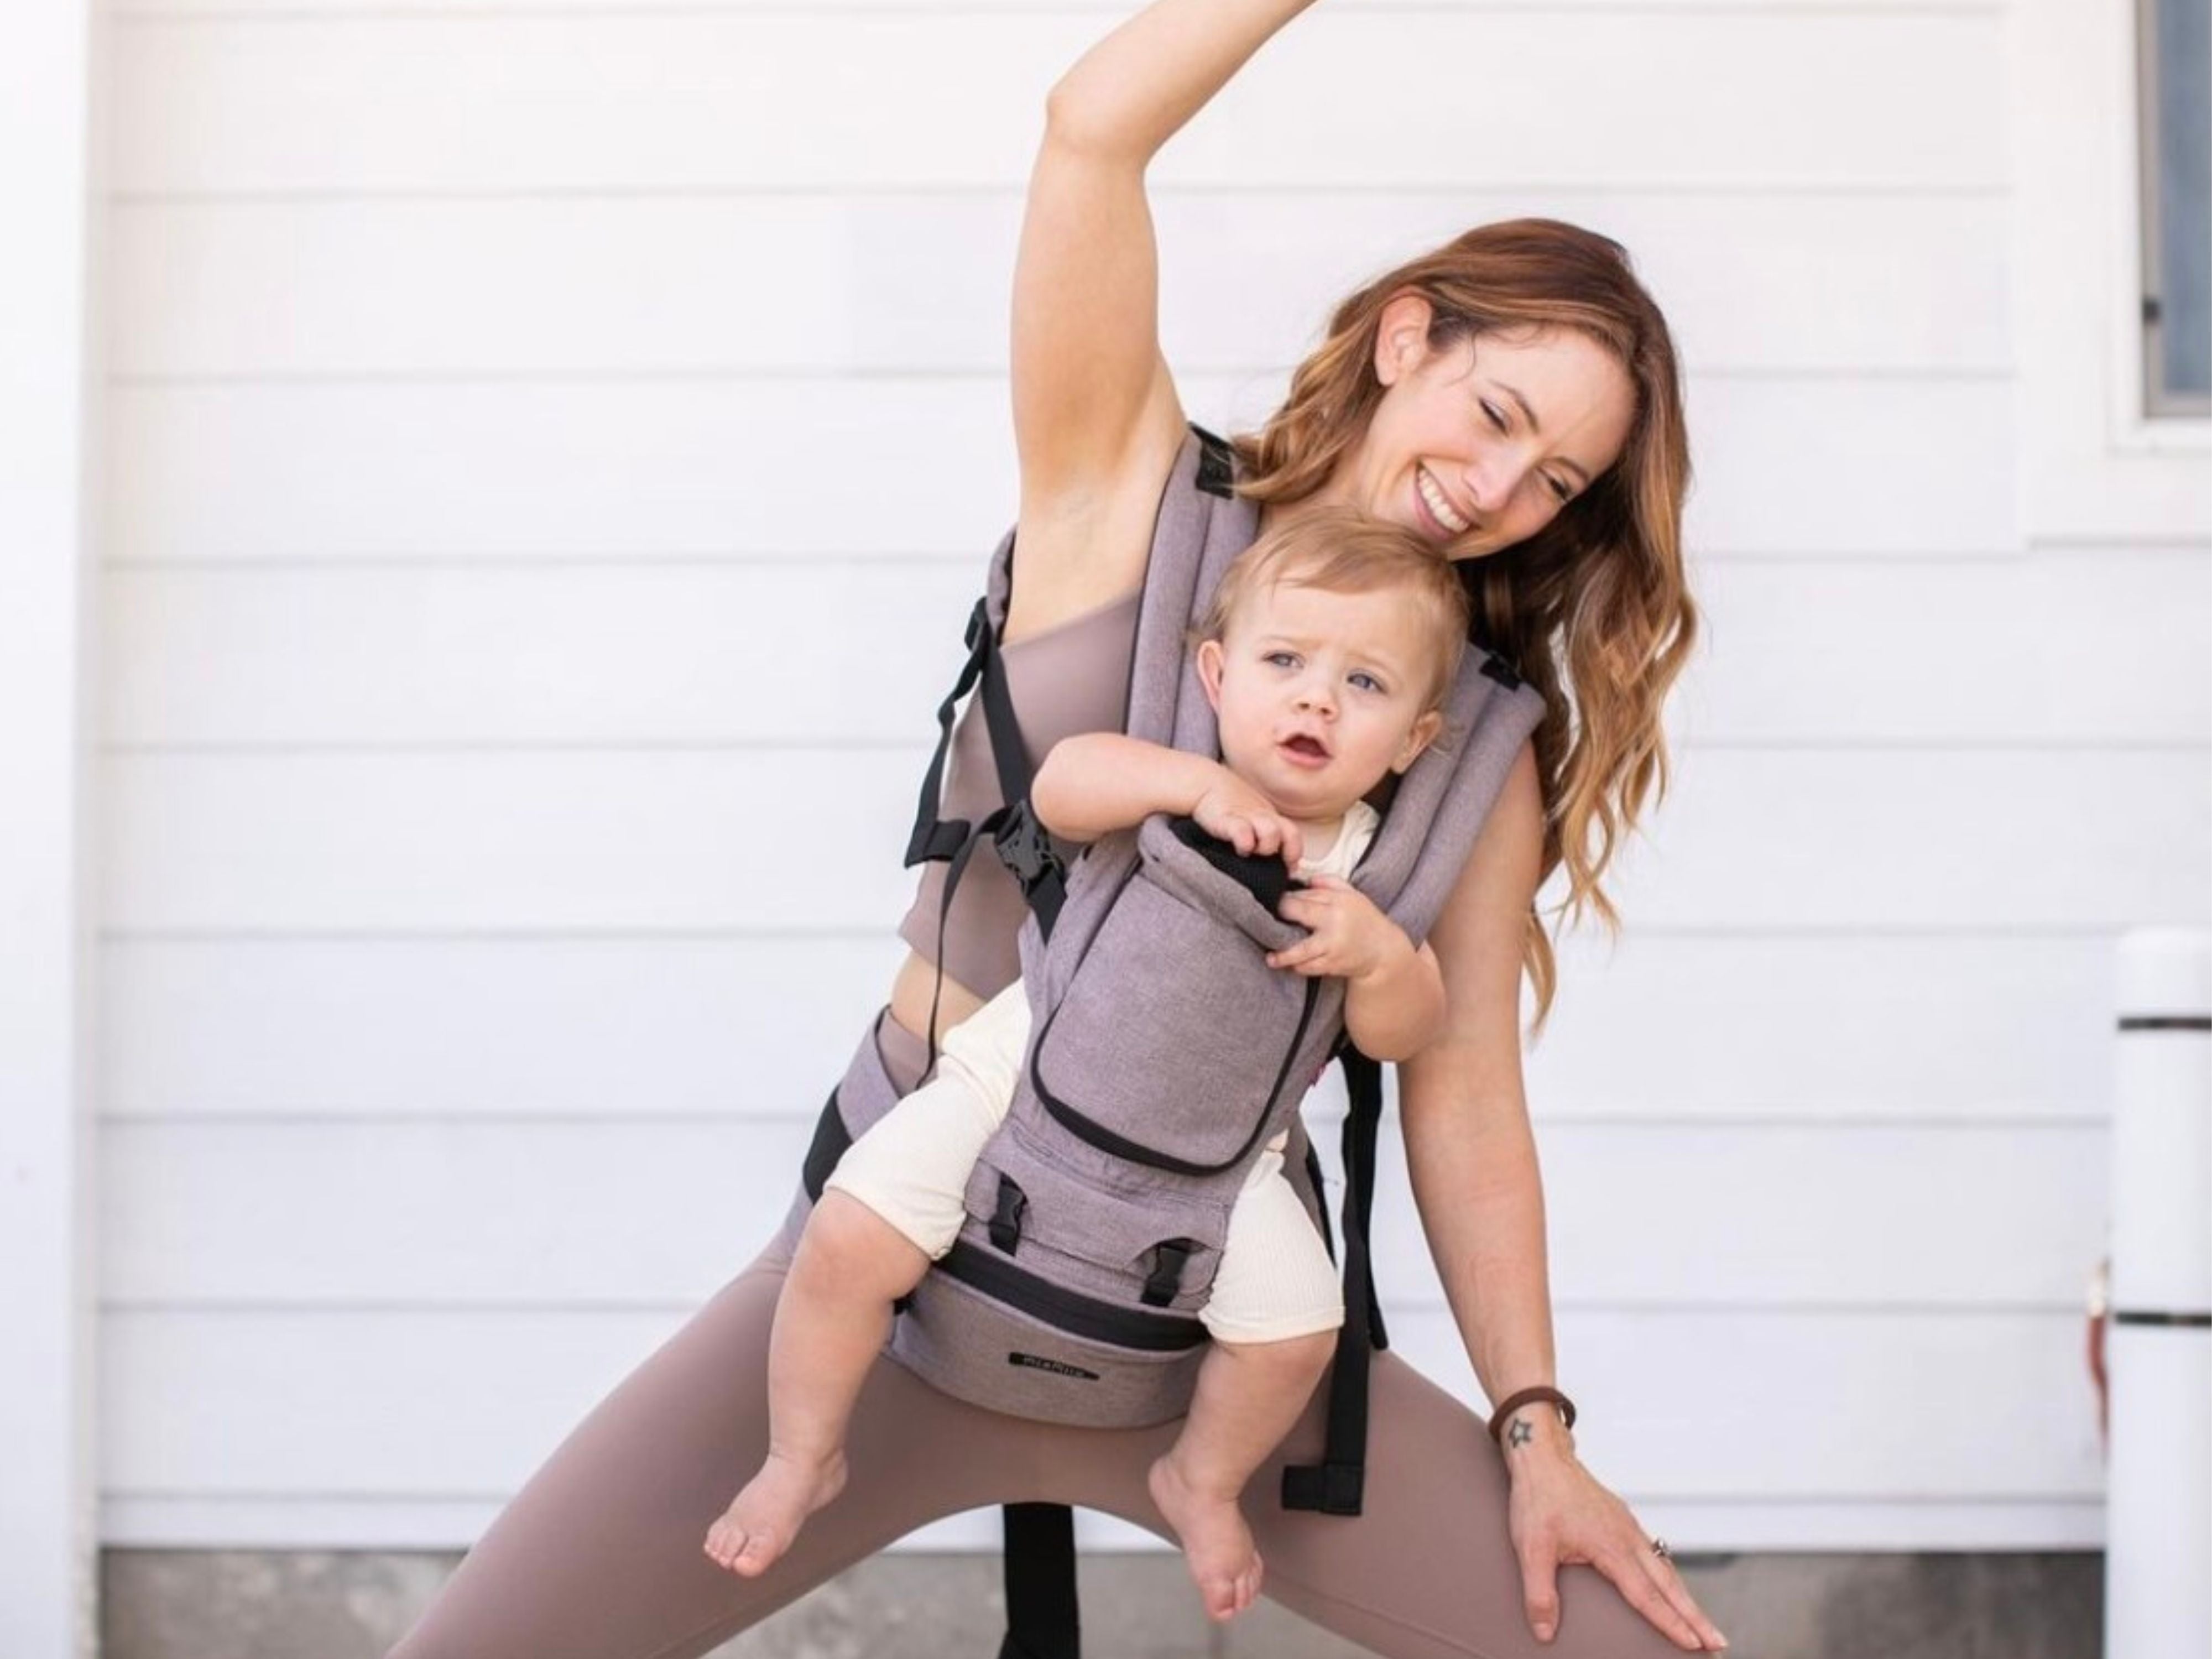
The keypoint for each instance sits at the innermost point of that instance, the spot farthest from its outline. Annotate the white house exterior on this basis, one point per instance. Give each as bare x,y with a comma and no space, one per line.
477,476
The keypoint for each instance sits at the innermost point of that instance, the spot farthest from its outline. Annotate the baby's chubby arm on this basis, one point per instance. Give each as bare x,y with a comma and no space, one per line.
1098,781
1393,993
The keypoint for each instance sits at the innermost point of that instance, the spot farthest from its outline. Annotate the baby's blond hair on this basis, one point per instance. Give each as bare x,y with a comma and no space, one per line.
1339,549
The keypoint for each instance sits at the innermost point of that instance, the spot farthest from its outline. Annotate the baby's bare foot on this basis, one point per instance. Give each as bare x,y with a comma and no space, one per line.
764,1518
1216,1544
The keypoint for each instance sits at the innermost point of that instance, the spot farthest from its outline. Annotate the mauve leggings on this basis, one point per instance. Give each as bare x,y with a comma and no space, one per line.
598,1556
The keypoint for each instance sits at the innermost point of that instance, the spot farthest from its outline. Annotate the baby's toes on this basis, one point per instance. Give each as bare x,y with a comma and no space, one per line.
1248,1584
760,1551
722,1543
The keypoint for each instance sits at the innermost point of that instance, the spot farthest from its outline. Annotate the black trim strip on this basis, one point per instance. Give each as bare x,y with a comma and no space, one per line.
831,1138
2192,1321
1070,1310
2166,1022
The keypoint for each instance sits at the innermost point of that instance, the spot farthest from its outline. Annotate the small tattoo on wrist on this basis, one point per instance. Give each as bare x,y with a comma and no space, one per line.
1519,1432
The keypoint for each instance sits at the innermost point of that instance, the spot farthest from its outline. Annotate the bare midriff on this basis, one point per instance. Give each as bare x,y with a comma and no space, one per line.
914,986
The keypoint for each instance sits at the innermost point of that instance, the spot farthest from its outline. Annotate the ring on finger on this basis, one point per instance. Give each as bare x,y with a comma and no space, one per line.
1659,1548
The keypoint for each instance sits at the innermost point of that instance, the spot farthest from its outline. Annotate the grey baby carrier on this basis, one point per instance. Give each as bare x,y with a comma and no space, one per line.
1164,1055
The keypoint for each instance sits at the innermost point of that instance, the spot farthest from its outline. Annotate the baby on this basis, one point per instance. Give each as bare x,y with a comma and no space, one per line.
1327,654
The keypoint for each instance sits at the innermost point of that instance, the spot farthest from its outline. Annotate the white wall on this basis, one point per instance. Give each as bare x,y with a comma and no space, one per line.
493,390
50,172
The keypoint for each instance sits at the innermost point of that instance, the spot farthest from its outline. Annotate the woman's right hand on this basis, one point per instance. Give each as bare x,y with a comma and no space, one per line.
1233,811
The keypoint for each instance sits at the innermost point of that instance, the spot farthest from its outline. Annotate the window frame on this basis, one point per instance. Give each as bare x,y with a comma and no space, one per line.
2150,233
2094,466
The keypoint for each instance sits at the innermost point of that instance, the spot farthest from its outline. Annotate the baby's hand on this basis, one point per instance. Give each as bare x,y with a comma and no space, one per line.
1351,938
1233,811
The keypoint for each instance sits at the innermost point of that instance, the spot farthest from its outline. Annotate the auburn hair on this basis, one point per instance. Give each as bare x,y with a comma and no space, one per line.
1594,609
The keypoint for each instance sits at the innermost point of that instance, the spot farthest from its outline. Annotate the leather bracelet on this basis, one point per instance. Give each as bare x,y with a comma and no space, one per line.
1513,1402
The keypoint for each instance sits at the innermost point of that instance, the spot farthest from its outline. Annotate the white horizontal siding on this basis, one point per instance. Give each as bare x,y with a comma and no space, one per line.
2003,651
1772,840
790,283
1766,1218
673,466
1684,1026
342,1403
690,100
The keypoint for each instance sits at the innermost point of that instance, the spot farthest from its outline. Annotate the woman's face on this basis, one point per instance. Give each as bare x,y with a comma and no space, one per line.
1477,444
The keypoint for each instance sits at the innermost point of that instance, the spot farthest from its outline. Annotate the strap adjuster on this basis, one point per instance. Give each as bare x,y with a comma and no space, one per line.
1169,1257
1007,1220
1025,847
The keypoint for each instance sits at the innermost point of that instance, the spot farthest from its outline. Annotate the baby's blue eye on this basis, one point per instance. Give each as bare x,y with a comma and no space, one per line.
1281,659
1367,680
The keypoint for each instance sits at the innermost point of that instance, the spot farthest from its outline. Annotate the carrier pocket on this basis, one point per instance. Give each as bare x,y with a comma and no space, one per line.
1173,1042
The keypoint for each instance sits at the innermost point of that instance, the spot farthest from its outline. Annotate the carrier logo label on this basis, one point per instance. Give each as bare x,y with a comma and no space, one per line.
1038,1363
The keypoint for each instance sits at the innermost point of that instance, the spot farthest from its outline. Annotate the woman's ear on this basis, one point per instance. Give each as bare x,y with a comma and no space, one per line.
1401,335
1422,734
1209,672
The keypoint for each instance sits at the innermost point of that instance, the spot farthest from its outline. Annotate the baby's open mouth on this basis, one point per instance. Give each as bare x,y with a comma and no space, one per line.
1305,745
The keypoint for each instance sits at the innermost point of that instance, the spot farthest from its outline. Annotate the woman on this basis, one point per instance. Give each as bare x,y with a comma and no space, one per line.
1514,390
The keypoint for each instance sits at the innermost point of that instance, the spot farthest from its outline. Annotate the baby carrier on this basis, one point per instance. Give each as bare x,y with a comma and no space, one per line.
1096,1214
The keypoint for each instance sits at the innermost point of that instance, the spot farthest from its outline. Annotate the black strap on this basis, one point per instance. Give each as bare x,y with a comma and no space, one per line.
934,837
1335,1485
831,1138
1217,464
1169,1257
1012,830
1042,1619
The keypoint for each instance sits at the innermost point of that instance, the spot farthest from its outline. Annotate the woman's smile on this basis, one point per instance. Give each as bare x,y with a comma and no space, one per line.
1442,514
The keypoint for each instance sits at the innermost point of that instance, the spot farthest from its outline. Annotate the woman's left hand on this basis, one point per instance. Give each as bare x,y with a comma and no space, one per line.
1559,1514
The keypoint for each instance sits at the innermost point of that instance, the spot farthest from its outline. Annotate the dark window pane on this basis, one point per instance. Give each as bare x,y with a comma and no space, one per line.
2181,143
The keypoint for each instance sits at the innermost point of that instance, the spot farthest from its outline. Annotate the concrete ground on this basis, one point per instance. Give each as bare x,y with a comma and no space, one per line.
179,1604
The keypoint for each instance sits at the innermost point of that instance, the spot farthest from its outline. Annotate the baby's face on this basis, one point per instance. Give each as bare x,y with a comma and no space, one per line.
1320,695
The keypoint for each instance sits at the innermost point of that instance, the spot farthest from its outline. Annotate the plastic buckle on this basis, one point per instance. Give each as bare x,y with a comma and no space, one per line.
1005,1226
1169,1258
1025,849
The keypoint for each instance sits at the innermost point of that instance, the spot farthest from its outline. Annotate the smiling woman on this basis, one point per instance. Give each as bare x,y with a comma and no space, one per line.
1511,398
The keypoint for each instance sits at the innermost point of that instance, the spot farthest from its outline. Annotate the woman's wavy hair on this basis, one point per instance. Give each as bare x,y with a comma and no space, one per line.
1594,609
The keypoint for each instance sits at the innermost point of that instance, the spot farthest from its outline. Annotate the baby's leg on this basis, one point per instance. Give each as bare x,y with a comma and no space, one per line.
891,1207
831,1323
1249,1395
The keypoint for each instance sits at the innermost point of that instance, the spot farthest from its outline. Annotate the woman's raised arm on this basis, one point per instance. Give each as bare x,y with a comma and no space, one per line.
1472,1160
1097,421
